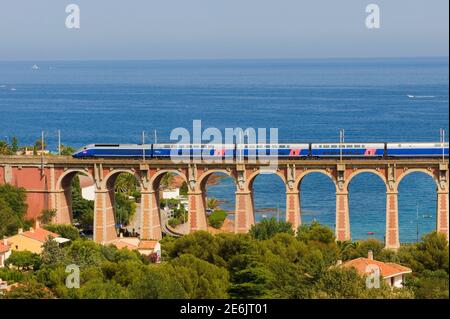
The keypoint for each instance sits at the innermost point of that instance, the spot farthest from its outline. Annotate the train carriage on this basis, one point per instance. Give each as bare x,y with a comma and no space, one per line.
417,149
348,149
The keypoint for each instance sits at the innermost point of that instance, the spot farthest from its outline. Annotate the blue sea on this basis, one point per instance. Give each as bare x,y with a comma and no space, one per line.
307,100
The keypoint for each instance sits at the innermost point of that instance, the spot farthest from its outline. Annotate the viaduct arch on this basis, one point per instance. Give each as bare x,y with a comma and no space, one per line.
47,183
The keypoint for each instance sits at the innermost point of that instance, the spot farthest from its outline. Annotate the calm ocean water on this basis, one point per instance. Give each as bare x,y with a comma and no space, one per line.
307,100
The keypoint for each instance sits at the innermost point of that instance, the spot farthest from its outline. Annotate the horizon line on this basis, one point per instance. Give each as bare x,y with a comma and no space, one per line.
230,59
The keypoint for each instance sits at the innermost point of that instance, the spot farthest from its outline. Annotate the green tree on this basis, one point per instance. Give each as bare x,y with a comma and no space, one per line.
184,189
67,150
47,215
38,146
430,254
14,145
82,209
9,221
212,203
268,228
126,183
315,232
52,255
124,208
201,244
217,218
200,279
24,260
85,253
29,290
339,283
431,285
167,180
251,282
15,198
4,148
157,283
66,231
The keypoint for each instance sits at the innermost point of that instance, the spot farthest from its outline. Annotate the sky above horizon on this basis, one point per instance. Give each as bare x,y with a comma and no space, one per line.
221,29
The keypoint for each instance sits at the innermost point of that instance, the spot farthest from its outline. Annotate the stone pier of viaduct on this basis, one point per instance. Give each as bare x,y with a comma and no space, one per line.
48,185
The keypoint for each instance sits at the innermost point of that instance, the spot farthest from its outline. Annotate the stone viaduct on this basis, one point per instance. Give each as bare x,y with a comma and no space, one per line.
48,180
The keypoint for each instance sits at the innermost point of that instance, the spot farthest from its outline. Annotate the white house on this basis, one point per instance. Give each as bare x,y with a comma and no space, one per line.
171,193
392,273
87,187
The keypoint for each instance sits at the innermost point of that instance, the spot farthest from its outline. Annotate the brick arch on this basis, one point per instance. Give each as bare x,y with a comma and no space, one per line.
114,173
156,178
70,173
349,178
417,170
61,199
204,177
251,178
302,175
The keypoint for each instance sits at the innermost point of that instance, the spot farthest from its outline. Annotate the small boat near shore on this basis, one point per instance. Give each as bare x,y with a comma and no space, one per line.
35,67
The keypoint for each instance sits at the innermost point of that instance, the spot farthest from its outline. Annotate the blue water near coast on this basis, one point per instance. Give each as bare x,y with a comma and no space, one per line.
307,100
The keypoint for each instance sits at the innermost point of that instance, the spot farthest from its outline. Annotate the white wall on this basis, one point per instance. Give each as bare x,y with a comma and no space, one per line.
88,192
172,193
3,258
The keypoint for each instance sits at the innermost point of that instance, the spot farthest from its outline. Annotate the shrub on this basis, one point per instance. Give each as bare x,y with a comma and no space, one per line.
217,218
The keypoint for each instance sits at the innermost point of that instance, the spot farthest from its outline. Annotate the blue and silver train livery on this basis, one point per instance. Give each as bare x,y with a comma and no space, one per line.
286,151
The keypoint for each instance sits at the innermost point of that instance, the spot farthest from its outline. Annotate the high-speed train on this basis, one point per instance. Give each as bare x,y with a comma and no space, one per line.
305,150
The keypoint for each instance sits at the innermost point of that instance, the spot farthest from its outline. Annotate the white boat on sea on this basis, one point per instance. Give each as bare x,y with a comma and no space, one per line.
35,67
420,96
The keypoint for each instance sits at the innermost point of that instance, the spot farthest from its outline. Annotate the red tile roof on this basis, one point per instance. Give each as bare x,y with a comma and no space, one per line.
387,269
3,248
40,234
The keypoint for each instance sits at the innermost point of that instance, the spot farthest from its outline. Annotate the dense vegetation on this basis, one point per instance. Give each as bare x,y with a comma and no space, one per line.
269,262
13,208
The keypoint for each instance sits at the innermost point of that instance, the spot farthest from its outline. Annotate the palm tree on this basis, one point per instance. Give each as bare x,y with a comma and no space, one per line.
167,180
212,203
126,183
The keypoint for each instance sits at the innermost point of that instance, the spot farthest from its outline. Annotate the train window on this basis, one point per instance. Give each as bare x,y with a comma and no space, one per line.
357,146
333,146
349,146
107,145
326,146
